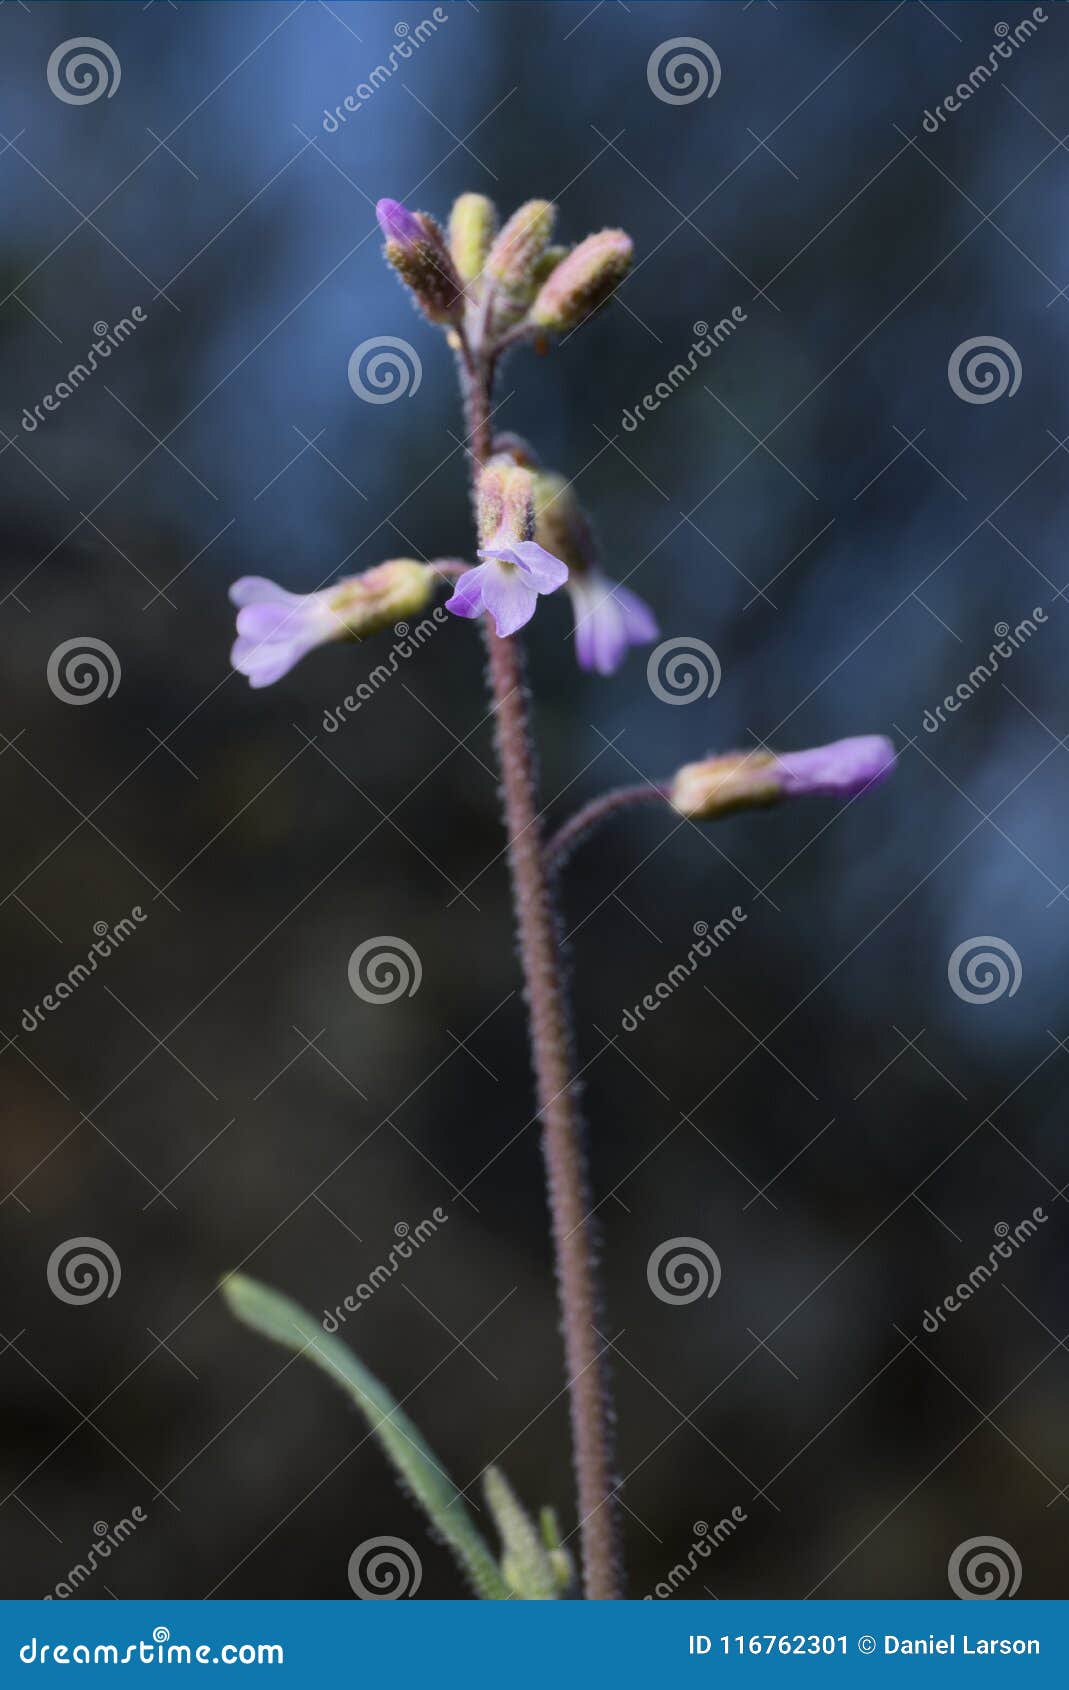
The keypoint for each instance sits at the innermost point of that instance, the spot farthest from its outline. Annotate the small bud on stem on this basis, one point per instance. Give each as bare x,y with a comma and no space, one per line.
514,256
472,226
583,281
416,248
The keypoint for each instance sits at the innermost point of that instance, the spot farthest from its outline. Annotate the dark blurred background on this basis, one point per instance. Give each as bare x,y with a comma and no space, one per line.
819,505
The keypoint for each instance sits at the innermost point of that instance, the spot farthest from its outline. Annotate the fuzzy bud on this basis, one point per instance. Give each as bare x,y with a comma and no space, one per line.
512,260
525,1564
548,262
390,592
416,248
741,780
514,446
472,226
561,524
745,780
583,280
505,502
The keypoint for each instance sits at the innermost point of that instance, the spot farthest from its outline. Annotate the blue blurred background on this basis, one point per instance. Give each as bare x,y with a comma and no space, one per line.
820,506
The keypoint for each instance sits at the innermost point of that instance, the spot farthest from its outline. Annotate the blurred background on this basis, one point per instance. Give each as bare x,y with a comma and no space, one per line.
818,1104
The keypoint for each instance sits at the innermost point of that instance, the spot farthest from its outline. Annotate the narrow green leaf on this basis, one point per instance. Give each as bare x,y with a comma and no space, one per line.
280,1318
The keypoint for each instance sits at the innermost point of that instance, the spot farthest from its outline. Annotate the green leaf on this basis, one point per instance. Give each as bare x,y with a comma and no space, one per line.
280,1318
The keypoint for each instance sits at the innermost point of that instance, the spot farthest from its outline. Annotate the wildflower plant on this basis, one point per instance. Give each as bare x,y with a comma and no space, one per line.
491,290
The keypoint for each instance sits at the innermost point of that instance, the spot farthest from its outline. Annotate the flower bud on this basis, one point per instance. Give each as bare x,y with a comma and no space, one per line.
548,262
525,1564
472,226
505,502
583,280
512,259
416,248
741,780
561,524
745,780
514,446
390,592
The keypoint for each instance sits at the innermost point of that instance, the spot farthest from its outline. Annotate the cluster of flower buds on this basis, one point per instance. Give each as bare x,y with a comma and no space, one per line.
506,282
750,780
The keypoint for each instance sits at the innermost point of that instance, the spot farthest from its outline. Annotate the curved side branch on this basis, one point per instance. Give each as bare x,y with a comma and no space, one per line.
568,837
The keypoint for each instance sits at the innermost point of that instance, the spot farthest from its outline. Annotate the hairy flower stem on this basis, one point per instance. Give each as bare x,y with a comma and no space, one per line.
570,834
551,1046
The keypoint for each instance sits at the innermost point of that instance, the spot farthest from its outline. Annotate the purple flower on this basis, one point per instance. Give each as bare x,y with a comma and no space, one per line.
508,582
839,770
399,225
608,619
748,780
277,628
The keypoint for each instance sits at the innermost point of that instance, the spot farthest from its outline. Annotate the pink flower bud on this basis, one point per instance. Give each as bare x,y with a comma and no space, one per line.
416,248
583,281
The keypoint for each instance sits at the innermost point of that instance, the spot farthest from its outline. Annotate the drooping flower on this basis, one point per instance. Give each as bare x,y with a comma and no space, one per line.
515,569
277,628
744,780
609,618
